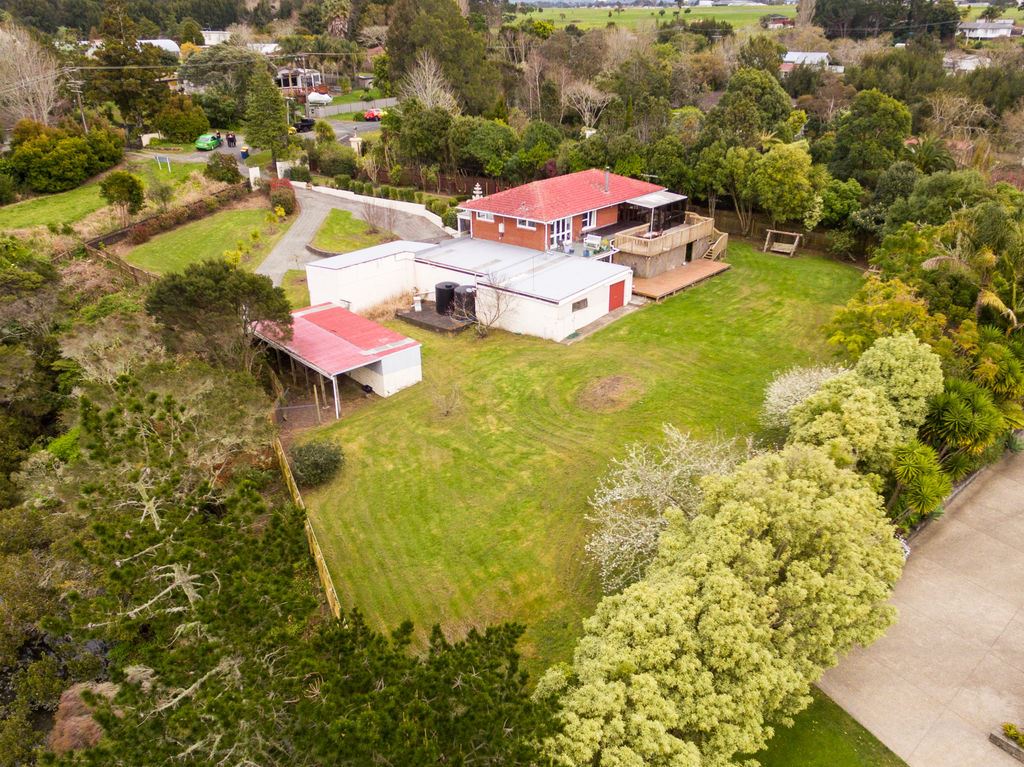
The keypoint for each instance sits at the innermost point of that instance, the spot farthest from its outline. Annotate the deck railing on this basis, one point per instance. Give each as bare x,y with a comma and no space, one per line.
695,228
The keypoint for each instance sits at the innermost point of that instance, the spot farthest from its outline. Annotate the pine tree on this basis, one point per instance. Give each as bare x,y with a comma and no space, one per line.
266,116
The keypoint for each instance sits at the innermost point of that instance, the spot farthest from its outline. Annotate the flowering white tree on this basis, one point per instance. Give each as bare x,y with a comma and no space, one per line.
628,506
791,387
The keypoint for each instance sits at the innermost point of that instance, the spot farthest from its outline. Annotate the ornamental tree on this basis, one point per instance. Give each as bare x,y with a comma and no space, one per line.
124,192
787,565
790,388
908,371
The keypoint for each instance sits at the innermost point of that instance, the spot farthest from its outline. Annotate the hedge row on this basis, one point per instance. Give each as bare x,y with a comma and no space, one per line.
149,227
436,205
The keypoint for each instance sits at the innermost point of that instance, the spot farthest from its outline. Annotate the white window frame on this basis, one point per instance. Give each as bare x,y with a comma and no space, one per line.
524,223
482,215
589,220
561,230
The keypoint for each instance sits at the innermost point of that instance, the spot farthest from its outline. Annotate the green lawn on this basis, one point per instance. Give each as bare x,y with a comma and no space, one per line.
259,159
296,288
207,238
342,232
358,95
74,205
585,18
826,736
477,517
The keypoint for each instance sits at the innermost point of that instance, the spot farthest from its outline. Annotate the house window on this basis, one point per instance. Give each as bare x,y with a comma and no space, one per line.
522,223
482,216
580,305
589,219
561,232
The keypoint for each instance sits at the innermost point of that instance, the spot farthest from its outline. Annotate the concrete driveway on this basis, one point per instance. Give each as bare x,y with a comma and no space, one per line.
952,669
290,251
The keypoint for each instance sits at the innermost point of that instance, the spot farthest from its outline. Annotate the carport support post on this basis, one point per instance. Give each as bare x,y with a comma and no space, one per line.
337,407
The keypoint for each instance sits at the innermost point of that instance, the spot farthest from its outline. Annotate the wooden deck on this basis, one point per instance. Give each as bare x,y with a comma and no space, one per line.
680,278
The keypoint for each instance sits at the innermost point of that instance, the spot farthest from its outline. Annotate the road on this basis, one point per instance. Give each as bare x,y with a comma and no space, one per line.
355,106
290,251
952,668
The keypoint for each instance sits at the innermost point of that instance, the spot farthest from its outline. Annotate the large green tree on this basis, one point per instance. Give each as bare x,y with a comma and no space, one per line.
870,137
266,115
788,564
128,74
213,308
438,29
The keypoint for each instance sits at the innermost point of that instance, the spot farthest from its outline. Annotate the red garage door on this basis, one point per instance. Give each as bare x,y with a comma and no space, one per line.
616,295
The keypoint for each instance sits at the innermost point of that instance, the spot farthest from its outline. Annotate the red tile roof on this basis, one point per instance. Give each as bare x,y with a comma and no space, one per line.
335,340
561,196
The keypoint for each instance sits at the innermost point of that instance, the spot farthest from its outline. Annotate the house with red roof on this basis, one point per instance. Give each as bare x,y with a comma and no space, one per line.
596,214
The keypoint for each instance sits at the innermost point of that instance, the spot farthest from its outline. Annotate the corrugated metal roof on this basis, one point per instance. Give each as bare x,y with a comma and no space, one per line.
371,254
656,199
806,57
554,198
550,277
334,340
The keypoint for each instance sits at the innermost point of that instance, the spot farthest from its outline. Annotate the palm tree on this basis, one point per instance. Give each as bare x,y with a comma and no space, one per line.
978,265
930,154
963,422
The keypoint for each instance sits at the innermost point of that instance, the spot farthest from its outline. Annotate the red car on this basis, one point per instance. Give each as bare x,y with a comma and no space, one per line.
373,114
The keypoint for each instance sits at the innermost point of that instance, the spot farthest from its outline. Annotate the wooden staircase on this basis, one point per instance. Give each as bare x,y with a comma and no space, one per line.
718,247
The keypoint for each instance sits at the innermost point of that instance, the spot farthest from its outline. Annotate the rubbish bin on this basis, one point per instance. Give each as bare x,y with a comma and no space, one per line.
245,152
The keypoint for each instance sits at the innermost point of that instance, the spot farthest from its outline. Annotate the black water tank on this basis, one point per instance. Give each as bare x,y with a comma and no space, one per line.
444,292
465,302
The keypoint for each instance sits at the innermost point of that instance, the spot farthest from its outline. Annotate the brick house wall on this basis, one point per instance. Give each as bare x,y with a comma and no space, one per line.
535,239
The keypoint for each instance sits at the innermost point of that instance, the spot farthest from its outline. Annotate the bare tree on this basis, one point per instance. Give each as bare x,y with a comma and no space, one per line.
958,117
373,36
587,101
427,84
493,300
380,218
805,12
29,73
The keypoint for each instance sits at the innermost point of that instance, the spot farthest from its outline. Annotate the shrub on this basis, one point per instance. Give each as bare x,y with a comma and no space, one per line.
451,218
222,167
141,232
282,194
315,463
343,181
335,160
7,189
1012,732
300,173
409,194
181,120
65,447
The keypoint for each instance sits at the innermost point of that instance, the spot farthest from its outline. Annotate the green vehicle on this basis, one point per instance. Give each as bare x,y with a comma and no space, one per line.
207,142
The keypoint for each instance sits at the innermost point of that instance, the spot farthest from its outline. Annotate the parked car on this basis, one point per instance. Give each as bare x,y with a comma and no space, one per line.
304,124
373,114
207,142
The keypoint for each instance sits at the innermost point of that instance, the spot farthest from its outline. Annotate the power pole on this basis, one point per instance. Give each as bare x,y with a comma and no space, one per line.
75,86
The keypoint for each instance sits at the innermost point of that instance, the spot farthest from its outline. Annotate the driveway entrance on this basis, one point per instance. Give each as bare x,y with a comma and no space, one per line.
952,668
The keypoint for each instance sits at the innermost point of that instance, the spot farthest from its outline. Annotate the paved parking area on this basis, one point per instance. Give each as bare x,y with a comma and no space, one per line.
952,668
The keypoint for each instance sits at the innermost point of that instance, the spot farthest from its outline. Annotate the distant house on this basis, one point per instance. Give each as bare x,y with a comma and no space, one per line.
296,81
957,61
267,49
820,59
987,30
215,36
164,44
776,21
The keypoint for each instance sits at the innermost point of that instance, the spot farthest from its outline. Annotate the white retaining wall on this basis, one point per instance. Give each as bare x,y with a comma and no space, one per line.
412,208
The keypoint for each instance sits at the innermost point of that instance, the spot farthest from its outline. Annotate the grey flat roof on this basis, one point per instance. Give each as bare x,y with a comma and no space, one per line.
371,254
806,57
656,199
550,277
